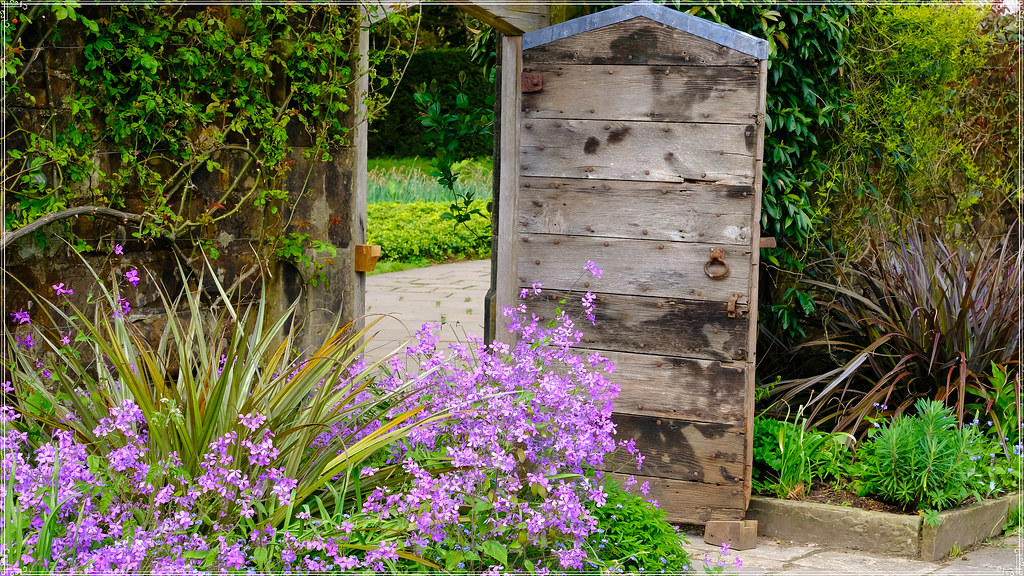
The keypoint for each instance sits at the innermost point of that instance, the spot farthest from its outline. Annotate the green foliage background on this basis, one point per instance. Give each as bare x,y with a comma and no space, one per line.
399,133
416,230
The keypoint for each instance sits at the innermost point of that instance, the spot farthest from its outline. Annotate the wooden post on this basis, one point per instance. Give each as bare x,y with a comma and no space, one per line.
755,266
507,253
359,177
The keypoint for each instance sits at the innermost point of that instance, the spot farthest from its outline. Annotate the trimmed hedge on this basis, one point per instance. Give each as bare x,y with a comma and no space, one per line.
415,230
399,133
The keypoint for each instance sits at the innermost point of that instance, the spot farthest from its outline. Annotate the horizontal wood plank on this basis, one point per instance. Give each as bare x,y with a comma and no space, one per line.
634,267
655,93
692,502
637,41
649,151
716,214
673,387
677,449
659,326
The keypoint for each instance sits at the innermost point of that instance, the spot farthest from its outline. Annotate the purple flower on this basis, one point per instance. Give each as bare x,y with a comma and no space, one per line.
21,317
132,276
26,342
65,339
118,249
252,421
126,307
60,289
591,267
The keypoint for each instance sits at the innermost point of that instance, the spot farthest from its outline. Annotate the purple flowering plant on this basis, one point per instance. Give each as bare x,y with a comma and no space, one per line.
239,455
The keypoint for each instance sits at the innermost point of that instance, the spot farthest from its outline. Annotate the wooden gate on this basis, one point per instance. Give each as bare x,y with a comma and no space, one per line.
639,147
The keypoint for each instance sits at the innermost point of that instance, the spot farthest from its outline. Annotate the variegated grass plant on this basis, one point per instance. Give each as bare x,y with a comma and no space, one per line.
206,371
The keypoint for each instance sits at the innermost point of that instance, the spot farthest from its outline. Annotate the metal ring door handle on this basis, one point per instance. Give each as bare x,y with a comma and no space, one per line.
717,259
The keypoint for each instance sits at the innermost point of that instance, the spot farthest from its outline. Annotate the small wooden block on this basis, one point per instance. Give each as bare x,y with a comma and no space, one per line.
738,534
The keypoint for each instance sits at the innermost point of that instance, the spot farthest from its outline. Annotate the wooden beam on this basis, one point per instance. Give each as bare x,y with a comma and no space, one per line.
511,19
507,258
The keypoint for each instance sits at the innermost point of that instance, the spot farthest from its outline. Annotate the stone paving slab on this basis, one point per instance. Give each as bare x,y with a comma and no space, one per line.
449,294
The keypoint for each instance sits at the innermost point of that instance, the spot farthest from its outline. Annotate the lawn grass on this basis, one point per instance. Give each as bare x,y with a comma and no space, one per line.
409,180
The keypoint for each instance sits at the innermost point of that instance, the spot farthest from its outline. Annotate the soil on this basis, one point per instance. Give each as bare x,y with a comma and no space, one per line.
828,494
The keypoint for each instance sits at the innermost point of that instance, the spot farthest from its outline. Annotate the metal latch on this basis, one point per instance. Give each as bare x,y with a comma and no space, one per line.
531,82
731,308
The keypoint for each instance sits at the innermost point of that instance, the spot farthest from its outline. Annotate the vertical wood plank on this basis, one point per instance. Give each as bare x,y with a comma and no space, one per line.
755,266
508,182
359,179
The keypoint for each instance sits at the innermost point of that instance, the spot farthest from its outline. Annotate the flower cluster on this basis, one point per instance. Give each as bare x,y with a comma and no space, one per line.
529,424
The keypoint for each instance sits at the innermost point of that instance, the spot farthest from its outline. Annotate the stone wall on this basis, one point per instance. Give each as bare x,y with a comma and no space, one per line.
327,201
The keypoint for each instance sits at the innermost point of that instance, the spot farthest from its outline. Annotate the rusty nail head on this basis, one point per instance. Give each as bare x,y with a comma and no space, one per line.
641,344
558,124
715,390
591,169
706,114
541,147
527,185
647,171
658,363
716,330
664,129
639,406
661,247
645,232
658,422
697,413
666,72
589,229
607,187
660,304
610,72
701,234
643,289
529,125
526,239
556,241
696,474
700,293
523,166
536,261
607,126
713,454
747,133
606,244
586,284
592,110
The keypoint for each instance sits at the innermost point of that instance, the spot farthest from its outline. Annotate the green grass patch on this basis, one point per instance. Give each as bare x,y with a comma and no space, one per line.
409,180
413,232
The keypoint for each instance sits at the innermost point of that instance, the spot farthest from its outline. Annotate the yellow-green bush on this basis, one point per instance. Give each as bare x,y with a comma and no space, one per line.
416,231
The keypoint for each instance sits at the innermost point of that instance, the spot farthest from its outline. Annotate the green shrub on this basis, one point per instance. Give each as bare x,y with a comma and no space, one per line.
923,461
416,230
789,457
399,133
636,537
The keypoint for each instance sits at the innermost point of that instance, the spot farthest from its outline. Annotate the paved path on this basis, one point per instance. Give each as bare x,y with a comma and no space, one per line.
450,294
453,294
1001,557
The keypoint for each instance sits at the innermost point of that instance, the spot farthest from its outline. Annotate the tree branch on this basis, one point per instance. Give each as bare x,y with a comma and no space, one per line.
9,237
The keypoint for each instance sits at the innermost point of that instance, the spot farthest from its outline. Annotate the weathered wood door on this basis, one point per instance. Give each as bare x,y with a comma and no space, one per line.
639,147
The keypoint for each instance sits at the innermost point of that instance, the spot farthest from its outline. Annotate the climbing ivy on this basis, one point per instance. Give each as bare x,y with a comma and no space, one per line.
164,95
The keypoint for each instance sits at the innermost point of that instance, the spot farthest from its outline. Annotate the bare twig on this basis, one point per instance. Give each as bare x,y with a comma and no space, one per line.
52,217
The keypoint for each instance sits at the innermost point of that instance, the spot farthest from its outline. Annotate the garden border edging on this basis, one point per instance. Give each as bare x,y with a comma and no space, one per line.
880,532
